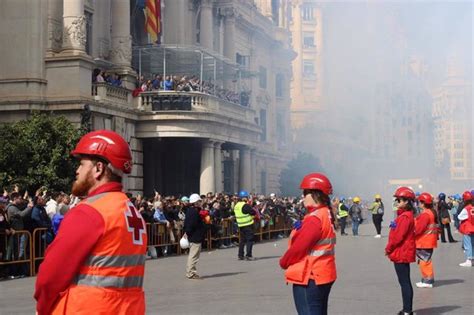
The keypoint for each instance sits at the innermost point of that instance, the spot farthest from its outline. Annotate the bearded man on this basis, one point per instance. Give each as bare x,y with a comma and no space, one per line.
96,263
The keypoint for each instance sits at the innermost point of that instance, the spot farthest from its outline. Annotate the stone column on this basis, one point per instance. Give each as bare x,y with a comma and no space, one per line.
206,32
245,176
207,179
74,26
55,25
229,34
121,52
218,166
253,170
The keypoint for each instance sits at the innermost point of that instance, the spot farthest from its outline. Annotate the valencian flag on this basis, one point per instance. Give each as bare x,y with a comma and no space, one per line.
153,19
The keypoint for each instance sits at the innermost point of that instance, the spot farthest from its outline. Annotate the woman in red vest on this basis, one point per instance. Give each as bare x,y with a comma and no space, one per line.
466,227
426,238
309,261
401,244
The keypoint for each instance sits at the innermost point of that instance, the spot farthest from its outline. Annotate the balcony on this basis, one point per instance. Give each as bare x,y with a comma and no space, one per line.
156,101
195,114
107,93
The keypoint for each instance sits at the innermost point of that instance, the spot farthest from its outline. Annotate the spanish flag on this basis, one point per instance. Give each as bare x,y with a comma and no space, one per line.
153,19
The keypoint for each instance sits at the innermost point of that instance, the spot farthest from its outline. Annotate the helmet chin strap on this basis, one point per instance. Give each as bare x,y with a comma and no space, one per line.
115,170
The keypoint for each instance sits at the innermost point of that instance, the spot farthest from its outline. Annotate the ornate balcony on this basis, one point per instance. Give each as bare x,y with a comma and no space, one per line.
106,93
184,114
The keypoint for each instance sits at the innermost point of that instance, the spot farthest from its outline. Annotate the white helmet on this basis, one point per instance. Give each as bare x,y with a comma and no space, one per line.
184,243
194,197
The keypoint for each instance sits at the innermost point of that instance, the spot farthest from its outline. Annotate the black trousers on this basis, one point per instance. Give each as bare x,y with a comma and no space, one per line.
342,224
377,219
450,236
246,239
403,274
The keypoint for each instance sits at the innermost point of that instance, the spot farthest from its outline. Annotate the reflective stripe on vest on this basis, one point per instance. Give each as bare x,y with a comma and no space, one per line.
431,229
116,261
322,252
242,219
109,281
326,241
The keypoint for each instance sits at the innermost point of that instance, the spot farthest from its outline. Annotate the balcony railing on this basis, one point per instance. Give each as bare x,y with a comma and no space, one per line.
104,92
193,101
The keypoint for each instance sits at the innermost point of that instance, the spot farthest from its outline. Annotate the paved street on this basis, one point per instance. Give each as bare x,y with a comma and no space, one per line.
366,283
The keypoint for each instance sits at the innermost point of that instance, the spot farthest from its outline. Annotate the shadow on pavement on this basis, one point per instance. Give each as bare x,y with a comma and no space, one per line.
437,310
224,274
439,283
267,257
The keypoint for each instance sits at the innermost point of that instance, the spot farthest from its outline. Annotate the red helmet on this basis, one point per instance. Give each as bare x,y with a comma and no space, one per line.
466,196
317,181
404,192
426,198
108,145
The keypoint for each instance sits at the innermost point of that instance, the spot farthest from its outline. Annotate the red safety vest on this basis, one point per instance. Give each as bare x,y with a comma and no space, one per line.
320,263
467,226
429,238
110,280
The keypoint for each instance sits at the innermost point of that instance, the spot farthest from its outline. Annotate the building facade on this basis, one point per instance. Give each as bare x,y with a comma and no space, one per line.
306,28
203,142
454,134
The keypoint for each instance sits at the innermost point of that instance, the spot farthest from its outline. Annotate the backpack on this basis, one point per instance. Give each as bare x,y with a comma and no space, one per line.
380,209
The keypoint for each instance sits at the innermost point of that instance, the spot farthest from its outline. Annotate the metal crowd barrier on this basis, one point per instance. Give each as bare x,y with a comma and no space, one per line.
18,250
39,248
161,236
35,244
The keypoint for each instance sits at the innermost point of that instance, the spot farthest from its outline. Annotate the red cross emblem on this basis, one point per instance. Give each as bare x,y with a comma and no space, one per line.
135,224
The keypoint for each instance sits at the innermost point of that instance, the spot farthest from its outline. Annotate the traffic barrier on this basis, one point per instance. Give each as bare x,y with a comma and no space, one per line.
18,249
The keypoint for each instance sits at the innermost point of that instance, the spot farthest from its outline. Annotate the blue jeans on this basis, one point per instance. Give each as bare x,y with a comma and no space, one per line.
355,226
468,241
311,299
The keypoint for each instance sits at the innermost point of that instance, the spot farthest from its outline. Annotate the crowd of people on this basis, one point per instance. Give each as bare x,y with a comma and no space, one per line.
101,76
19,211
173,83
189,84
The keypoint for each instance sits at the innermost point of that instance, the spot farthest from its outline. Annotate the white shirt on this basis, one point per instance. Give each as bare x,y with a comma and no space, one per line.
463,215
51,208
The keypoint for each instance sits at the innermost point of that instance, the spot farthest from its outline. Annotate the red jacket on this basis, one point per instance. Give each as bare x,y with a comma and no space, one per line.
401,239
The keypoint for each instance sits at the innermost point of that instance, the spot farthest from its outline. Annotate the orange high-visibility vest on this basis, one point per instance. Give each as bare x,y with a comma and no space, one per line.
320,263
467,226
110,280
429,238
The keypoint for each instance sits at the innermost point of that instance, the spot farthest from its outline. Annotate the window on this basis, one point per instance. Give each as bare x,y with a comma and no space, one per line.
279,80
263,124
242,60
308,40
281,130
262,77
308,68
458,145
88,47
458,164
307,12
458,154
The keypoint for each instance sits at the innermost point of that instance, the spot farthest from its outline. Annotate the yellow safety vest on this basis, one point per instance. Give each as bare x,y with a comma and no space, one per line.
342,213
242,219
